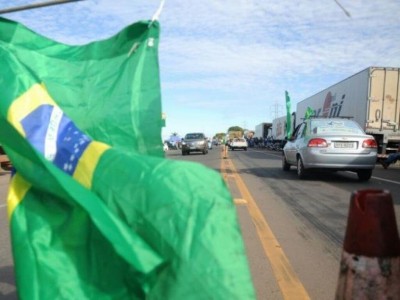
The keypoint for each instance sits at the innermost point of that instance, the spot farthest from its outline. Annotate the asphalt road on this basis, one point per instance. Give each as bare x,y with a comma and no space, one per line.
306,219
7,283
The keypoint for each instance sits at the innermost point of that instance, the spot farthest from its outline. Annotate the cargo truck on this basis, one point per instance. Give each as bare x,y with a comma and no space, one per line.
234,134
263,130
276,138
278,132
370,97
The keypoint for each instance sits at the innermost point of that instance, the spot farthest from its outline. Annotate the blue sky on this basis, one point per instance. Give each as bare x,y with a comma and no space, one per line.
228,63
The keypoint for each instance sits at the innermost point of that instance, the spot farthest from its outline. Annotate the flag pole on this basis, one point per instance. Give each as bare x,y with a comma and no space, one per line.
158,12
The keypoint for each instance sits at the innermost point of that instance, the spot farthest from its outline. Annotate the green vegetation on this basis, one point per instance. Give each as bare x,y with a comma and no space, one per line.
235,128
220,136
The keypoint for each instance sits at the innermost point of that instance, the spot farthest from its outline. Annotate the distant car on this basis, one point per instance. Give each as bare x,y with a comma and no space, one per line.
238,143
194,142
331,144
209,145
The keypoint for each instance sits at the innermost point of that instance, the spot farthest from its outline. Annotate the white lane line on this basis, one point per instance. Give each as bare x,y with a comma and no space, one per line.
387,180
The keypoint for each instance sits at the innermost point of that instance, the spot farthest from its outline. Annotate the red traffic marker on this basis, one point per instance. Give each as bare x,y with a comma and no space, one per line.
370,264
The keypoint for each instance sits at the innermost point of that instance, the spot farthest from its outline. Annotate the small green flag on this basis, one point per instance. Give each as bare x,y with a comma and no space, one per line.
95,210
288,116
309,113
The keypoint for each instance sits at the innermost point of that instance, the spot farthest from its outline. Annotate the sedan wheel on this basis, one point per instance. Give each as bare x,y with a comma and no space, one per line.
285,165
301,172
364,175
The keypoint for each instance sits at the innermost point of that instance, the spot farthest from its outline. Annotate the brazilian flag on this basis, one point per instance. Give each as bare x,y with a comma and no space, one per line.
95,210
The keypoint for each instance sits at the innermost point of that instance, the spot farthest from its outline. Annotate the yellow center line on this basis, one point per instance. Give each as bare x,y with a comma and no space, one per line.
239,201
289,284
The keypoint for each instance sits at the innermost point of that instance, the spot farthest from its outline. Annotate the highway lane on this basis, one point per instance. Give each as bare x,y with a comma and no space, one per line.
319,205
328,189
308,217
310,257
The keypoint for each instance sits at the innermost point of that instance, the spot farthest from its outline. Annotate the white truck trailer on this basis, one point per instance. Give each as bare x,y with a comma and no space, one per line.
370,97
278,132
263,130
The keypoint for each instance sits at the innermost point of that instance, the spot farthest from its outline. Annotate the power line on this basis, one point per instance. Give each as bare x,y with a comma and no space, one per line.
35,5
277,110
342,7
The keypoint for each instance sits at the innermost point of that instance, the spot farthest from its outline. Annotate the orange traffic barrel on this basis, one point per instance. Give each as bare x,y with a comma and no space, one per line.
370,263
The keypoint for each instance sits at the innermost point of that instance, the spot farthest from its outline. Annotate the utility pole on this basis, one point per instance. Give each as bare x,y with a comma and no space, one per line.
277,110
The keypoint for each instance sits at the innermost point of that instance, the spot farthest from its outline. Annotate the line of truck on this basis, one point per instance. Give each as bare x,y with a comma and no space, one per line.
371,97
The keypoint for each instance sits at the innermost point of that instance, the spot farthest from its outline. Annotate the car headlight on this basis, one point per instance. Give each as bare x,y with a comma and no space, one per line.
183,143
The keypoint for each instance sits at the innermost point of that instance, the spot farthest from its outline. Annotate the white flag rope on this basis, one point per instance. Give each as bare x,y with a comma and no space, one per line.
155,17
158,12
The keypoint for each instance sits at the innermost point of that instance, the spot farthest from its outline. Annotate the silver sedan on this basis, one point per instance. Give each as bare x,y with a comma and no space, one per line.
330,144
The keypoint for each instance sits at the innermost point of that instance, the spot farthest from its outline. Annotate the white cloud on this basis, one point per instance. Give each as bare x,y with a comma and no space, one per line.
236,58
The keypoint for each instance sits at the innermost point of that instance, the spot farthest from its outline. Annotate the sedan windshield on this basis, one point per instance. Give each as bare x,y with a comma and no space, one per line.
194,136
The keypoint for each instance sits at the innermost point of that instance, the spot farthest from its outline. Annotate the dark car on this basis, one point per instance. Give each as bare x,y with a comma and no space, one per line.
330,144
194,142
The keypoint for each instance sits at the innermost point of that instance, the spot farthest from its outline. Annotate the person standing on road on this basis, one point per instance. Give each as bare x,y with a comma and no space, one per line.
225,147
392,158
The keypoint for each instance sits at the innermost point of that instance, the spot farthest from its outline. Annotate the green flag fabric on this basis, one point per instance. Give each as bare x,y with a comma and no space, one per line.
95,210
288,116
309,113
